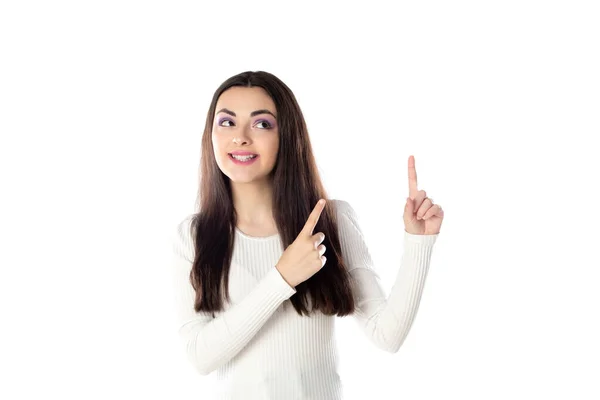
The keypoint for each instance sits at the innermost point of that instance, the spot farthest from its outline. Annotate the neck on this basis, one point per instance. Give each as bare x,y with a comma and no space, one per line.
253,202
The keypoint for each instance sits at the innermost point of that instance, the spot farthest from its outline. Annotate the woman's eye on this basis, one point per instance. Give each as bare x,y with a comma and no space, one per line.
225,120
268,125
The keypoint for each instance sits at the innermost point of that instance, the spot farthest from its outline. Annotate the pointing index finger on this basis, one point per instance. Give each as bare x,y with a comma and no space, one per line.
313,218
412,178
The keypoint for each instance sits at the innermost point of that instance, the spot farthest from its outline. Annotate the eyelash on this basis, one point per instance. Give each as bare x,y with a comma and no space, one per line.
258,122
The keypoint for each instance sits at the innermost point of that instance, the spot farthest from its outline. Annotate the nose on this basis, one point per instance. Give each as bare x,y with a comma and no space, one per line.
242,136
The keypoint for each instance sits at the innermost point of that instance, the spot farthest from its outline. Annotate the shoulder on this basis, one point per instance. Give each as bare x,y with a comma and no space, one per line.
182,237
347,218
342,208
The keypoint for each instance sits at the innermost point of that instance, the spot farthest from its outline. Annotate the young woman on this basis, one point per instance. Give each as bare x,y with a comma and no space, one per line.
267,262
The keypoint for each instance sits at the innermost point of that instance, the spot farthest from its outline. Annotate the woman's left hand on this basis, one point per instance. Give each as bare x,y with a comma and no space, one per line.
421,216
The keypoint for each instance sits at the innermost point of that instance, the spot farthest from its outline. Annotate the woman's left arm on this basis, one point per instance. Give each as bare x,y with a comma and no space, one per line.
386,320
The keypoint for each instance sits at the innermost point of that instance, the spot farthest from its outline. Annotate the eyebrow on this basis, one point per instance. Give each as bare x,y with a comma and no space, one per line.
252,114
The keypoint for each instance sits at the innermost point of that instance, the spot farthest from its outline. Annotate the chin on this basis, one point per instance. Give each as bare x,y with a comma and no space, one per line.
241,178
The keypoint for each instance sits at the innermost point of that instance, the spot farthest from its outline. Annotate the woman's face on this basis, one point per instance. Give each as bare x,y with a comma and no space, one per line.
245,120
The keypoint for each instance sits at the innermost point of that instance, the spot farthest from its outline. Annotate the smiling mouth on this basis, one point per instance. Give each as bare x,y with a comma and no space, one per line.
242,158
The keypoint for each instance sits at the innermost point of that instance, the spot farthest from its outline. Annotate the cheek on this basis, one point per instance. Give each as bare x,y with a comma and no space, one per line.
269,150
217,141
217,145
274,145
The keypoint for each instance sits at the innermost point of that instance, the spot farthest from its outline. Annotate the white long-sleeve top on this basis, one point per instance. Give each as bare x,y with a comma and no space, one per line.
259,346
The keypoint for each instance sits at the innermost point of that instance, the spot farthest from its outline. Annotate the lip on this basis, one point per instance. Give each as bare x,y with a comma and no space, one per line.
243,153
238,162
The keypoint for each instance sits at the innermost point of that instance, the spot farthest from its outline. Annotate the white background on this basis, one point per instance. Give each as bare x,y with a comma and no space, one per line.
102,106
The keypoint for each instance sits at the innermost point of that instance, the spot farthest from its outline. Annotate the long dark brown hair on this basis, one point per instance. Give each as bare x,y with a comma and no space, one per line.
297,187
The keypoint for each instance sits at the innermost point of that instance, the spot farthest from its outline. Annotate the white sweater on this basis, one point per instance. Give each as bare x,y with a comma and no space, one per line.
259,346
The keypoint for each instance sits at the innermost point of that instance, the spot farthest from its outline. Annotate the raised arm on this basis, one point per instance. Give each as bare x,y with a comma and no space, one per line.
385,320
211,342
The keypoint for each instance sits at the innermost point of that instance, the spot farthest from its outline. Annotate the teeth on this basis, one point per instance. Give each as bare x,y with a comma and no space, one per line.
242,158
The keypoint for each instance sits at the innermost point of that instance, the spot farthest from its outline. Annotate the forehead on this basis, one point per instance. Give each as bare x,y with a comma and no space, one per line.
245,100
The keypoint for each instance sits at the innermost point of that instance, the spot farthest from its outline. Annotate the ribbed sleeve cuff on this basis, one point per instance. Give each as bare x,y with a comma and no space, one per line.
277,285
427,240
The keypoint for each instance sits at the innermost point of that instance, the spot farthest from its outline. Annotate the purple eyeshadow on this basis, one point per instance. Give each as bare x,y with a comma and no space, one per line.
272,123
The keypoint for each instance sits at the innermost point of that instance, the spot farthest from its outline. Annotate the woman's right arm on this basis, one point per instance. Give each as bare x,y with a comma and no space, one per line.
211,342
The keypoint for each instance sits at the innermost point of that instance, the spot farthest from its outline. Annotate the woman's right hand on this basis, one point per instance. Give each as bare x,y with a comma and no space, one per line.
304,257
